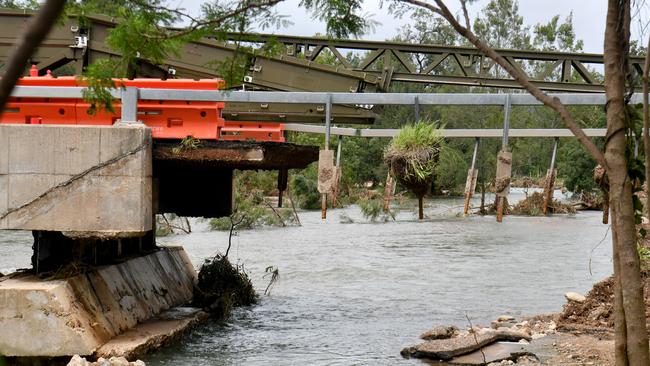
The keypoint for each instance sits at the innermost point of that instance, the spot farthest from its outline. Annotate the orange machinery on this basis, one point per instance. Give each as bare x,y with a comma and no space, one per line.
168,119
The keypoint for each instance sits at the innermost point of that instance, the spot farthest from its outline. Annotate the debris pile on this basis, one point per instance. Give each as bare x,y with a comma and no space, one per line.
533,206
222,287
596,310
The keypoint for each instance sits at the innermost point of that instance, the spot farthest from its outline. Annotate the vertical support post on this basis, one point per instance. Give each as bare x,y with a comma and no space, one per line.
129,99
338,171
388,191
416,105
283,177
506,123
550,180
504,163
338,150
328,120
472,176
327,166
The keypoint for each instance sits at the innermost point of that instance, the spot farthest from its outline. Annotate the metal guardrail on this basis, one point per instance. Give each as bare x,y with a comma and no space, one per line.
129,97
447,133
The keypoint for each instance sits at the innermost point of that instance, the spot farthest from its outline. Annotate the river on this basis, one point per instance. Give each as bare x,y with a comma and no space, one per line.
356,293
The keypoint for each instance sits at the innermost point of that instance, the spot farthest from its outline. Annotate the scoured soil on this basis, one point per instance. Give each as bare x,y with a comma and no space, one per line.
597,311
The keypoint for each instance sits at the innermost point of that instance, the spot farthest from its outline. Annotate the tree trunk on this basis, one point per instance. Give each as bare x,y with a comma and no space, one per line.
646,128
420,208
620,186
620,343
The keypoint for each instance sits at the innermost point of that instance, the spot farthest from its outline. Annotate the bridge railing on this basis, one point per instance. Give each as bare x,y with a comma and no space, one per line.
129,97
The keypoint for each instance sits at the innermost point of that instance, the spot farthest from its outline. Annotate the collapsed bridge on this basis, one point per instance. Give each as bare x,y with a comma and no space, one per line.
88,187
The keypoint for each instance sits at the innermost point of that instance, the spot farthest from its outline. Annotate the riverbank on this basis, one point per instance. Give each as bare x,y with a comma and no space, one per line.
582,333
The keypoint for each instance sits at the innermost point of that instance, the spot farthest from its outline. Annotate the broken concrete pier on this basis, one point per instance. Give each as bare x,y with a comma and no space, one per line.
79,314
99,285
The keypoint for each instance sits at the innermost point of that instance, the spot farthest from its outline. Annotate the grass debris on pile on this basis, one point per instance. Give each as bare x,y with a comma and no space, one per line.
533,204
223,287
412,157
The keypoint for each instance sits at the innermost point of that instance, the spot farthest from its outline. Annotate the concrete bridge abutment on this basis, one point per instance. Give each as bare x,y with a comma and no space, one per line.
86,193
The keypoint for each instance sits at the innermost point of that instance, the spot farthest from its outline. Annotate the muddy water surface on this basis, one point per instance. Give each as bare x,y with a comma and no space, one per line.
356,293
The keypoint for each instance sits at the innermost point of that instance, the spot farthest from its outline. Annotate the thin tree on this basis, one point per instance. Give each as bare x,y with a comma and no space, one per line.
631,334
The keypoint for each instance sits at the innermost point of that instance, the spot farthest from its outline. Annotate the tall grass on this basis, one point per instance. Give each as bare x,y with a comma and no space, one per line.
418,135
417,145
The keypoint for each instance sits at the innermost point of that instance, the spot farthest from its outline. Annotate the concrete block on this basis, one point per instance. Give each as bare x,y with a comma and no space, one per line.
23,188
31,148
124,139
91,204
79,314
97,179
76,149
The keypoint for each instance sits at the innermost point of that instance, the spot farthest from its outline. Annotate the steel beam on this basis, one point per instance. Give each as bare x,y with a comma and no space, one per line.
476,68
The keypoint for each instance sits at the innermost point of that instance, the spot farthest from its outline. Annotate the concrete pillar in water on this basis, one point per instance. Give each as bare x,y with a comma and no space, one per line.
550,180
472,176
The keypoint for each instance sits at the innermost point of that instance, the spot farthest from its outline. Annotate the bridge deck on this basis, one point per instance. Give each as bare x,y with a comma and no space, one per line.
242,155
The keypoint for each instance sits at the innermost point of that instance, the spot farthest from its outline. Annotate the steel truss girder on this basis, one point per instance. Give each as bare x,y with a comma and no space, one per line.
394,60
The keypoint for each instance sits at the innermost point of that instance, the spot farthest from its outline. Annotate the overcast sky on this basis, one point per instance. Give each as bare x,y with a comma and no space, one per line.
588,18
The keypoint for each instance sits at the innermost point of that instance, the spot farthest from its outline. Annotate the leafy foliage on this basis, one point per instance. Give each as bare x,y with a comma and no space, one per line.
305,191
373,209
413,154
251,208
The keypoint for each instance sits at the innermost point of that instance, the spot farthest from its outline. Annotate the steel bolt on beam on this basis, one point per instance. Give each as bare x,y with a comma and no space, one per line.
550,180
472,175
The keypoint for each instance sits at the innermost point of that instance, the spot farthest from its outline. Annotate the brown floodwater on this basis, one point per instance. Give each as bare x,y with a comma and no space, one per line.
356,293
